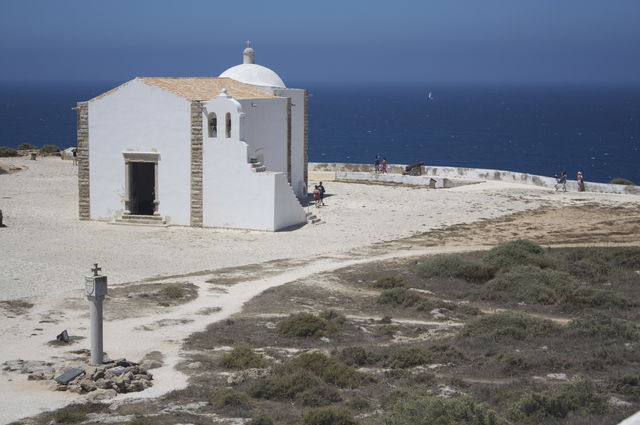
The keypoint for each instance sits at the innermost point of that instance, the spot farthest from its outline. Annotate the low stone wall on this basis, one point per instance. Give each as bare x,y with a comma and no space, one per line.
344,171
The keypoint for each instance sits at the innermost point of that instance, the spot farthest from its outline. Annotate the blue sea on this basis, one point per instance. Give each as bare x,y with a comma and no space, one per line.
539,129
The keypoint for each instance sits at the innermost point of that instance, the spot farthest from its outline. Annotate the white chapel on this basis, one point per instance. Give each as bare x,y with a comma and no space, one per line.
225,152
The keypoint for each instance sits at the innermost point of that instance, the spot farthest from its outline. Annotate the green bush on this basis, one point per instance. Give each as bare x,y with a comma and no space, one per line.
305,325
327,368
626,258
451,266
355,356
333,316
400,296
6,152
261,419
414,408
519,252
560,400
510,326
226,398
309,379
627,384
532,285
407,356
49,149
600,299
26,146
327,416
69,416
601,325
243,357
172,291
388,282
620,180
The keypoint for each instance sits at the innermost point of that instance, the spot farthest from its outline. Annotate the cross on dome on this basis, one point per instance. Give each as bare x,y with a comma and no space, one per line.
248,54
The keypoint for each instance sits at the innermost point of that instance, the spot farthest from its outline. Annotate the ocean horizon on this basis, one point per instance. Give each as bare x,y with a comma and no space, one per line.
539,128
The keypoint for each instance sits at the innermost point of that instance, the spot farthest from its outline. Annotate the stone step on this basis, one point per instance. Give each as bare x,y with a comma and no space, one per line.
142,217
141,220
259,169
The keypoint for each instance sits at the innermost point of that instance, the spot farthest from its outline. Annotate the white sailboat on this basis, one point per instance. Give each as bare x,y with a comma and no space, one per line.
430,96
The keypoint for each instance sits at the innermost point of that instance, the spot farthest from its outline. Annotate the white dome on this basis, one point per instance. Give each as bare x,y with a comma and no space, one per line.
253,74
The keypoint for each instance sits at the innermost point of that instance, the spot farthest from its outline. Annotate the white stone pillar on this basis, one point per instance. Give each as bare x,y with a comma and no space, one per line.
96,290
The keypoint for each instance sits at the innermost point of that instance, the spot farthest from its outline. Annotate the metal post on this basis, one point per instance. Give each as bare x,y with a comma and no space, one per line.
96,290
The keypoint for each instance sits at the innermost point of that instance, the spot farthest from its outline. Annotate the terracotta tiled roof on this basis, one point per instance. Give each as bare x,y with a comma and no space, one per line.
205,88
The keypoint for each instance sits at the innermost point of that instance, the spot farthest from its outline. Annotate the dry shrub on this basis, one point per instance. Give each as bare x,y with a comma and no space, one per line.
388,282
452,266
328,416
519,252
559,401
510,326
604,326
305,325
173,292
243,357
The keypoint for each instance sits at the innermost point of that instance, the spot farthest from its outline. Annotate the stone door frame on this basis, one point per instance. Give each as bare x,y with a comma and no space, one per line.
129,158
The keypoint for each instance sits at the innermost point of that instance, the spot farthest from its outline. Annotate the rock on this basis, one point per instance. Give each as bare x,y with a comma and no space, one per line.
325,339
241,376
75,388
104,394
558,376
31,366
151,364
141,377
87,385
39,376
118,370
99,374
69,375
103,383
194,365
135,386
61,387
614,401
13,365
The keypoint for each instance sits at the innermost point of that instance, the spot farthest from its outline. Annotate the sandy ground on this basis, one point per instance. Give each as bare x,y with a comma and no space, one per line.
45,251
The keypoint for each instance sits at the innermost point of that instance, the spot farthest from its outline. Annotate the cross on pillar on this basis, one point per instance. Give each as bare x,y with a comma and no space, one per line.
96,270
248,43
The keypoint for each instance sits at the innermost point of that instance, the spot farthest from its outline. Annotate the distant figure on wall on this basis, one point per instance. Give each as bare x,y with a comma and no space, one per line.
561,181
74,152
580,179
383,167
376,164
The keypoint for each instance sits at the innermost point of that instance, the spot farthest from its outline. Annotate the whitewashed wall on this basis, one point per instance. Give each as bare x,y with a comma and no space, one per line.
233,195
265,130
297,138
143,118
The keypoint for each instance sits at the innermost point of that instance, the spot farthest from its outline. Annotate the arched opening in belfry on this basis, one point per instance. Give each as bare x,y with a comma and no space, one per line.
213,125
228,124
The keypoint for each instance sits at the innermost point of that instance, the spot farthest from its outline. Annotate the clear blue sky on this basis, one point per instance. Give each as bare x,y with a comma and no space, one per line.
347,40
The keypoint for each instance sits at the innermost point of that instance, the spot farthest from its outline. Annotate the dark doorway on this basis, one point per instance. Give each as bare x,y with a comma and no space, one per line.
142,187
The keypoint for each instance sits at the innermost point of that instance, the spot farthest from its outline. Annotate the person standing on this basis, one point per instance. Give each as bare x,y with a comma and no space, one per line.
316,196
563,181
376,164
383,168
580,179
321,189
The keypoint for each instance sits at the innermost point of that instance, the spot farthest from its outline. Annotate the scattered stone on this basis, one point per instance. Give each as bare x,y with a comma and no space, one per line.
39,376
63,337
118,370
558,376
616,402
69,376
87,385
194,365
102,394
13,365
325,339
